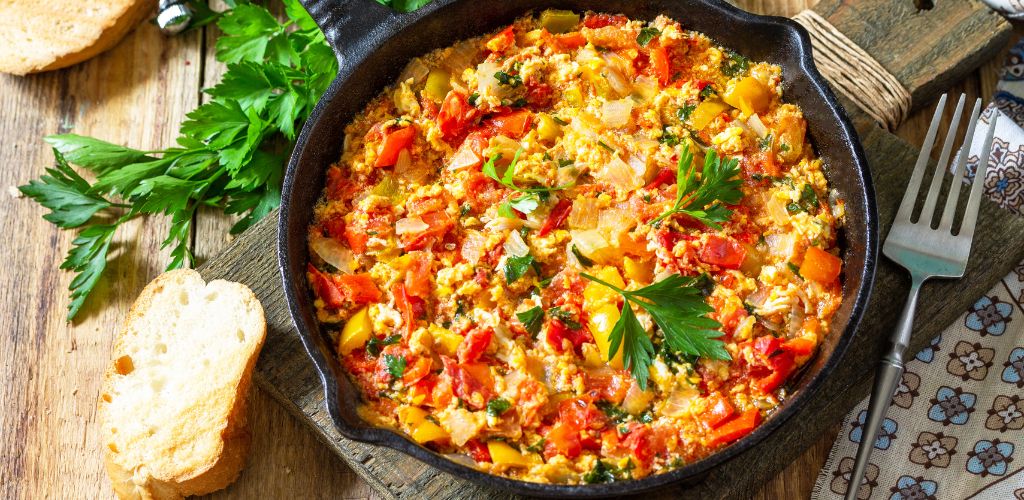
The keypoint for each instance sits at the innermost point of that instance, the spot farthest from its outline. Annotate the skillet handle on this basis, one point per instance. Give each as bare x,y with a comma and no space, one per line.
348,25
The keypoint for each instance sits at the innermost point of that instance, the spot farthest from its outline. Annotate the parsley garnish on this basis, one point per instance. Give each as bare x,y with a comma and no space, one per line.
734,64
227,154
516,267
537,447
498,406
473,98
668,139
684,112
530,198
707,91
603,145
565,317
678,308
765,142
374,345
795,269
532,319
784,147
601,473
404,5
583,259
395,364
613,411
808,201
646,35
705,199
508,79
559,121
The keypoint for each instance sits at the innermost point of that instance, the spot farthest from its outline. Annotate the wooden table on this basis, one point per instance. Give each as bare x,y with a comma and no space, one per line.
137,94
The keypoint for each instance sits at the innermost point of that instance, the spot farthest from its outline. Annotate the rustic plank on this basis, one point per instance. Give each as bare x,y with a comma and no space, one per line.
134,94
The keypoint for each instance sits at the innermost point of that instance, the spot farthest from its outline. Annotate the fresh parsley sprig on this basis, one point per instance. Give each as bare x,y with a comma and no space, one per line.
529,198
677,306
230,151
704,199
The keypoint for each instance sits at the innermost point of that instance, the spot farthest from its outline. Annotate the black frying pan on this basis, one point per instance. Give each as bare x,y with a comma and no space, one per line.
374,44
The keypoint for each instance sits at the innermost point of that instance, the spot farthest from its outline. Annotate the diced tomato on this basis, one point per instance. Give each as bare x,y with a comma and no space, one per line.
419,206
469,379
382,373
358,233
610,385
417,275
441,395
558,331
502,41
438,223
602,20
513,124
411,307
666,176
820,266
415,371
557,217
719,410
339,185
700,84
668,239
640,442
723,252
358,288
570,41
474,344
580,414
590,441
393,144
538,94
561,439
454,115
767,345
735,428
478,450
335,228
660,64
325,288
775,366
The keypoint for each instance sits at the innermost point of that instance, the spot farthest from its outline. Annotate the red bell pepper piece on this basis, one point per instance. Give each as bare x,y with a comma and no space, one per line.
557,217
478,450
660,64
735,428
502,41
513,124
393,144
454,114
325,288
358,288
719,410
602,20
474,344
666,176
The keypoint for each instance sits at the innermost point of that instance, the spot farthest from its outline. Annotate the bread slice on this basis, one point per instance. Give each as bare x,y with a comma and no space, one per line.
172,410
40,35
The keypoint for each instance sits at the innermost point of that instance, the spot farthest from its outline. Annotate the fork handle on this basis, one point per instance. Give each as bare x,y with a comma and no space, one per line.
887,378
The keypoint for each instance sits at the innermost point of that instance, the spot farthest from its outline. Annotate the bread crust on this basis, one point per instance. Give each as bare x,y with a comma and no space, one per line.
32,43
139,480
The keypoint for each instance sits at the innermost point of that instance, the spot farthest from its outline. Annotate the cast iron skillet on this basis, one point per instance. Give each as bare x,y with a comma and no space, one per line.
373,44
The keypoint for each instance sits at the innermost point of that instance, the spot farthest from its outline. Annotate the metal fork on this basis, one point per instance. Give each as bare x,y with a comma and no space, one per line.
926,253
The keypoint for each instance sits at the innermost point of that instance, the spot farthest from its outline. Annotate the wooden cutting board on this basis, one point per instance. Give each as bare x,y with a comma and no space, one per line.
927,52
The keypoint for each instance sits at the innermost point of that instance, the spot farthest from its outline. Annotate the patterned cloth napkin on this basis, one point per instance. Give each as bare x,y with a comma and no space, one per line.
954,429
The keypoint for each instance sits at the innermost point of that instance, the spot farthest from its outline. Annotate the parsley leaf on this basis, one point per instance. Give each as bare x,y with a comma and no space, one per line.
678,308
532,319
734,64
565,317
498,406
404,5
583,259
684,112
516,267
705,199
510,80
507,179
601,473
808,201
226,156
647,34
765,142
374,345
395,364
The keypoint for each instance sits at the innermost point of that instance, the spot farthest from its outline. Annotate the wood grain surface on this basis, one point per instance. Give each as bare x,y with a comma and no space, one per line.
137,94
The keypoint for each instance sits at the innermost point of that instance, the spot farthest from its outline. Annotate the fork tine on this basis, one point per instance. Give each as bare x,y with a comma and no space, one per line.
910,195
940,167
946,223
971,214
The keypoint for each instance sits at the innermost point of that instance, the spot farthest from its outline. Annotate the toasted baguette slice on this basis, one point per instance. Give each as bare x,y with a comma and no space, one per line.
172,410
40,35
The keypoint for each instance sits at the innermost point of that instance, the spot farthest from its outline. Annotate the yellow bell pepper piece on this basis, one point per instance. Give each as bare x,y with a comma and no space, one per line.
705,112
428,431
547,129
595,293
638,270
559,21
748,95
445,341
412,416
356,332
573,97
438,84
503,454
601,322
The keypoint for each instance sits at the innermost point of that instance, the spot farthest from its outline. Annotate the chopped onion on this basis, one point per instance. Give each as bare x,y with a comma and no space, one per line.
406,169
638,163
679,402
645,88
619,175
461,459
504,146
781,245
332,252
503,223
796,320
462,424
473,246
637,399
460,57
757,298
515,246
776,208
616,113
415,70
590,242
584,214
615,73
464,158
612,222
486,83
410,225
755,124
